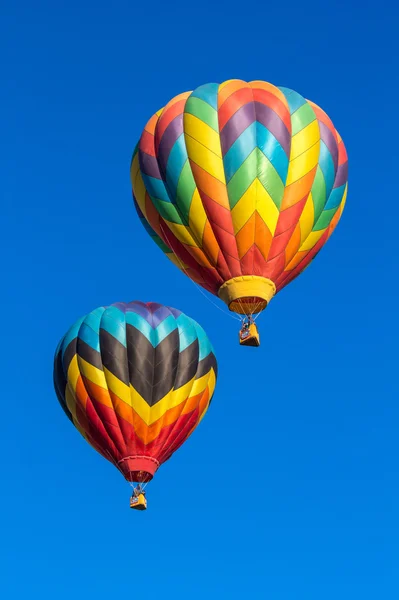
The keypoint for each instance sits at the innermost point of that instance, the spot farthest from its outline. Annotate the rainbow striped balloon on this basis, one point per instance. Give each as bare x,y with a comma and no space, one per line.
240,184
135,379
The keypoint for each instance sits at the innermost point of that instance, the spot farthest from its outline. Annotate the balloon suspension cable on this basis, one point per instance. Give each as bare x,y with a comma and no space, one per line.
233,316
255,311
250,315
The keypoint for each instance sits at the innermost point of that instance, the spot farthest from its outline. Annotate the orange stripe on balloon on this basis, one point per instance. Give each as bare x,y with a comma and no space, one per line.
209,242
80,393
210,186
151,124
97,392
203,404
293,245
245,236
269,87
263,237
298,190
198,255
229,88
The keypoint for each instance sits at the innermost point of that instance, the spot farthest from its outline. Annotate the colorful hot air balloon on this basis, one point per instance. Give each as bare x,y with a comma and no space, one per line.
135,379
240,184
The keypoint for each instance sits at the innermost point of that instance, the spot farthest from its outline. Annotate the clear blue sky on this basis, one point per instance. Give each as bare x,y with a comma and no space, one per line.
306,425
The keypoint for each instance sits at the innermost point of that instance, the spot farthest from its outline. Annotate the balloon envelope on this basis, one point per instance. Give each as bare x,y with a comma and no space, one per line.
135,379
240,184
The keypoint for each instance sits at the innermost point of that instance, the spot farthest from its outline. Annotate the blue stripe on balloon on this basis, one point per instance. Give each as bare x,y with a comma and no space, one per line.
205,346
113,322
273,150
154,336
139,323
294,99
163,330
327,166
239,151
176,161
208,93
89,337
156,187
335,197
187,332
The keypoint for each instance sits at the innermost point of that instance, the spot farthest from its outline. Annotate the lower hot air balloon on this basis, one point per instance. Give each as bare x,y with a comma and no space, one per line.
241,185
135,379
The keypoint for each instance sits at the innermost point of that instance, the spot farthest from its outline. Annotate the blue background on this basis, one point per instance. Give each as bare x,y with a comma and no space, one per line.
289,488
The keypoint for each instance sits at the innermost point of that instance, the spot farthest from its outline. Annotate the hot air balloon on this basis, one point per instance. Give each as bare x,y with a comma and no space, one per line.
240,184
135,379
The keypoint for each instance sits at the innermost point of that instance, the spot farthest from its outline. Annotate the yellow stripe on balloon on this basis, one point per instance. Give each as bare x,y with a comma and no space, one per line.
182,233
245,207
117,387
208,161
343,201
306,219
211,382
303,164
305,139
73,373
91,373
197,216
311,240
211,389
200,131
200,384
150,414
266,208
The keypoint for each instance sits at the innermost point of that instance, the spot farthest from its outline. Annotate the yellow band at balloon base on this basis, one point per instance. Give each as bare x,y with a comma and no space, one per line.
247,294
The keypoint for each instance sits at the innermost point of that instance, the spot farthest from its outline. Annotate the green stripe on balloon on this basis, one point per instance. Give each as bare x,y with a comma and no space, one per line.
167,210
325,219
270,179
185,190
302,118
203,111
318,194
242,179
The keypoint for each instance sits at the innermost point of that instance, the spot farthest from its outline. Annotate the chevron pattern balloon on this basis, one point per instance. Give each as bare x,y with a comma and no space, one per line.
240,184
135,379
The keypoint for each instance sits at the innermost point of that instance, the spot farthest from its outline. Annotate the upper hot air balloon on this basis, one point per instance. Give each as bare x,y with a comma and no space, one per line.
240,184
135,379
